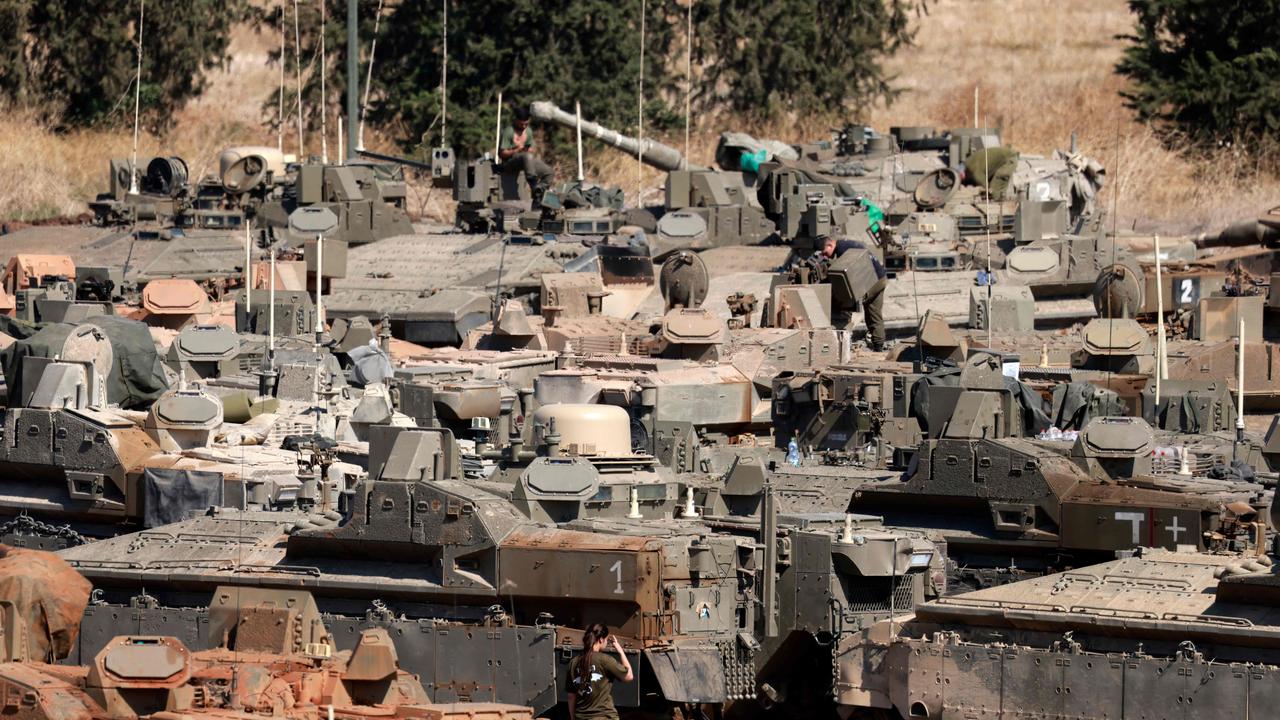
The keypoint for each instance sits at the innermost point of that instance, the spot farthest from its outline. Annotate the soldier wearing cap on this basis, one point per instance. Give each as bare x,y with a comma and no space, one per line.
873,302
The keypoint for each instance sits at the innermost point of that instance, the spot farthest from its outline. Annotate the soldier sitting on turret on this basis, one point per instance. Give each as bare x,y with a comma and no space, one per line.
873,302
517,153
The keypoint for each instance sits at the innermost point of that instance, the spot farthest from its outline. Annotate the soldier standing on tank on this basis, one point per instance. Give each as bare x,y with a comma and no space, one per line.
518,154
873,303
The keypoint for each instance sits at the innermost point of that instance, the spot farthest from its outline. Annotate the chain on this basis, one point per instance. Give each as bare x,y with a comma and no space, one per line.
29,526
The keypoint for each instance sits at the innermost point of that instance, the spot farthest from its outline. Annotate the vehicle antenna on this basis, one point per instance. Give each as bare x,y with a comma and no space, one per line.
137,103
444,76
324,97
688,73
497,131
297,64
280,111
644,10
368,80
578,109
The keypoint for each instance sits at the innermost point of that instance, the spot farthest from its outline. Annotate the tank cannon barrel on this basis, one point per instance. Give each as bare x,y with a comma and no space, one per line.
1264,230
652,153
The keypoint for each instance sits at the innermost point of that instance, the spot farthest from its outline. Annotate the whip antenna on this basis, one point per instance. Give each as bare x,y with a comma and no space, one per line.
1160,340
497,131
1240,387
280,112
324,98
444,77
688,75
644,6
297,64
137,102
578,109
368,79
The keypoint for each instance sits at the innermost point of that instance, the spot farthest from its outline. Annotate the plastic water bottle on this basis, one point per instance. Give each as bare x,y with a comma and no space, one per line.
793,453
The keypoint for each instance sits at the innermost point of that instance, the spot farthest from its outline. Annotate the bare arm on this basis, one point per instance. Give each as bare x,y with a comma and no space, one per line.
626,664
573,701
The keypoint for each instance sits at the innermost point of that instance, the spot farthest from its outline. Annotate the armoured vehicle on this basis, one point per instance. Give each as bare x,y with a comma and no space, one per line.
789,196
495,575
72,460
102,433
159,223
263,653
932,213
1160,634
1009,498
438,285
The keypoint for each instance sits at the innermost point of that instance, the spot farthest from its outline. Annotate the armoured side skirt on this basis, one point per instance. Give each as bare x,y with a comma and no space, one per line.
946,679
456,662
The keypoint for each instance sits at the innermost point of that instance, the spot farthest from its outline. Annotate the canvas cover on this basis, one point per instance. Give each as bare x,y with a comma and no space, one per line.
171,495
1034,417
136,378
1076,403
48,597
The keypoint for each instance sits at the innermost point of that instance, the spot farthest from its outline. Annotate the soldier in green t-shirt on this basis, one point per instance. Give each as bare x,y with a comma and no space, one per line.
591,676
517,153
991,169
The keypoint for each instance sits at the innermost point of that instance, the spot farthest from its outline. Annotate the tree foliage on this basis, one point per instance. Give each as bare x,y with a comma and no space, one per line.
1205,69
801,56
761,59
75,60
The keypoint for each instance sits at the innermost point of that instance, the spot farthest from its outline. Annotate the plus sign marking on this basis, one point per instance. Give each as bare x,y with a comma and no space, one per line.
1176,529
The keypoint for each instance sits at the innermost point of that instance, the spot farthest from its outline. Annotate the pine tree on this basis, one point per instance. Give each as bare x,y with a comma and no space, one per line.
801,56
761,59
1205,69
76,59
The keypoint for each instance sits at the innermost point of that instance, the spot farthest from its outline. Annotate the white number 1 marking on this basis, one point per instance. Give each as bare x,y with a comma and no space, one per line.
616,569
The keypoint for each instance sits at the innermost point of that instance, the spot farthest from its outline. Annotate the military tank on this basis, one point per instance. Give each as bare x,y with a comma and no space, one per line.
495,575
794,201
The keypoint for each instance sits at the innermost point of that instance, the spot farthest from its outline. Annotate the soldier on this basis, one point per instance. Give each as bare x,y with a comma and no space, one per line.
517,153
591,676
991,169
873,303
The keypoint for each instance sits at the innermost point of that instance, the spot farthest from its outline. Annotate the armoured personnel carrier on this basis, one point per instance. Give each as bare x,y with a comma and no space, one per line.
495,575
1159,634
438,285
84,467
104,434
158,223
1010,499
263,653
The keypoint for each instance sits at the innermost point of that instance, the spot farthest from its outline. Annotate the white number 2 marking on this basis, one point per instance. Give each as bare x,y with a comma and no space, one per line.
616,569
1187,287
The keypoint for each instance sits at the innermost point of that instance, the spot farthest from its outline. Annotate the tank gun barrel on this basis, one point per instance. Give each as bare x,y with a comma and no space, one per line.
655,154
393,159
1264,231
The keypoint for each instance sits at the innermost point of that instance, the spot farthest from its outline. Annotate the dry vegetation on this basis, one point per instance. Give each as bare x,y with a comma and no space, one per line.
1042,68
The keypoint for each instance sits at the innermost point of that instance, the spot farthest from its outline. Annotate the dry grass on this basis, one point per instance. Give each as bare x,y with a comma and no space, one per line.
1042,68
